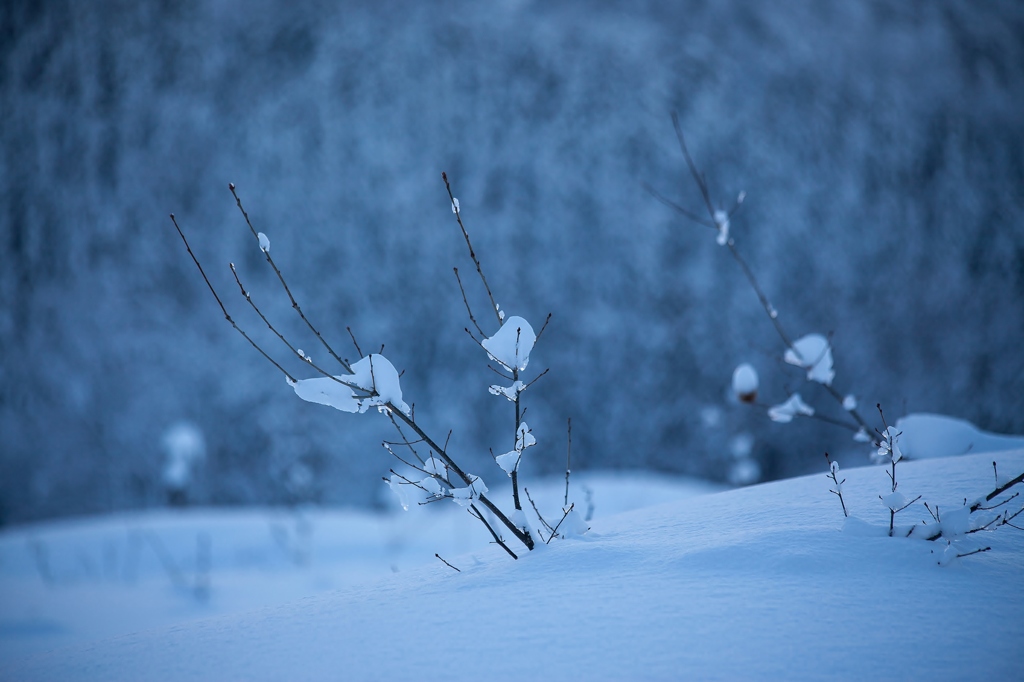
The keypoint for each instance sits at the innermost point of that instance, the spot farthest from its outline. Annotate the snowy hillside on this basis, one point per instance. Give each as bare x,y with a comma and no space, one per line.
756,583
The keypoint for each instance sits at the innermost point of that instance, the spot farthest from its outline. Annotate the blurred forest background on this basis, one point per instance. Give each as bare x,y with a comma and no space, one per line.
881,145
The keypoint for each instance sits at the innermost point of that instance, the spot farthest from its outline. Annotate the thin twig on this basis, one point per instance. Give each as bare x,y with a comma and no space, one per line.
466,301
472,253
537,511
446,563
354,342
568,462
559,524
223,309
295,351
295,304
543,327
497,538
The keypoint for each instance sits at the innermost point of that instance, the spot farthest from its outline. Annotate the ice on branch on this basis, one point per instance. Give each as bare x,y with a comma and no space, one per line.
890,448
511,392
400,488
465,496
722,223
784,412
264,243
745,383
895,500
813,353
374,374
455,206
511,345
524,438
509,462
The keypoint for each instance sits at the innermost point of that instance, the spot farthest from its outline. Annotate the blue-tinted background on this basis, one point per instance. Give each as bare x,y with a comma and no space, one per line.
881,145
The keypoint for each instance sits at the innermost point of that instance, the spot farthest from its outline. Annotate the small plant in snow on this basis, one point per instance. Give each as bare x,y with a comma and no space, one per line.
951,527
889,450
811,353
372,383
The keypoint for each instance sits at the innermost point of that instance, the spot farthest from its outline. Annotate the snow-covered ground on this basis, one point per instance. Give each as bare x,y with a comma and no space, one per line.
755,583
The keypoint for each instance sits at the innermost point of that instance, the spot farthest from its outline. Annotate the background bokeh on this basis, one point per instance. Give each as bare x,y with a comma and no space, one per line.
881,145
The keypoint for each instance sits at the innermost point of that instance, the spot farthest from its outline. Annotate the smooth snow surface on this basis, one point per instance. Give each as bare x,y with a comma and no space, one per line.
757,583
936,435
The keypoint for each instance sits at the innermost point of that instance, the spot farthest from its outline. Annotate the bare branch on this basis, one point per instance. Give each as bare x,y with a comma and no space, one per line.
295,304
466,302
543,327
568,462
224,310
446,563
469,244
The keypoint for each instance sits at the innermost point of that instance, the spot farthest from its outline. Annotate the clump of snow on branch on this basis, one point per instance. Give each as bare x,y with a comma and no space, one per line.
509,462
889,448
722,223
511,392
745,382
374,375
465,496
264,243
511,345
784,412
813,353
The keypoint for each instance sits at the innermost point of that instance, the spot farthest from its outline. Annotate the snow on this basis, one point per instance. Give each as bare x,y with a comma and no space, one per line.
722,223
745,382
784,412
850,403
509,461
511,345
766,582
813,353
264,242
374,373
934,435
510,392
184,446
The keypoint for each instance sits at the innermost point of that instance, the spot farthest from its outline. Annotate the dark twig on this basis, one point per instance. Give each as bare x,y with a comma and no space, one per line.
295,351
354,342
223,309
473,511
568,462
465,300
543,327
295,304
446,563
537,511
559,524
472,253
